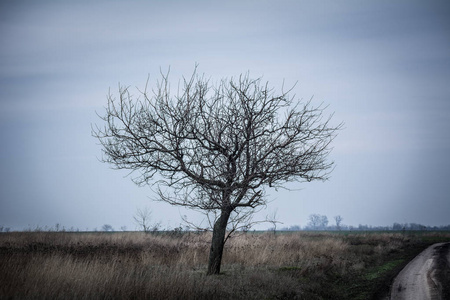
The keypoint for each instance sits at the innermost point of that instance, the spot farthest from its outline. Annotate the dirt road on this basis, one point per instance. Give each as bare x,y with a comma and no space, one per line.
427,276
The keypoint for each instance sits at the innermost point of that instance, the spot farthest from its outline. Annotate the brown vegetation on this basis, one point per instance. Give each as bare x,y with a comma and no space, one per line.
300,265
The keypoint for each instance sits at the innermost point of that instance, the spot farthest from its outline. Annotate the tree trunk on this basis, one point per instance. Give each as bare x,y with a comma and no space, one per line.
217,243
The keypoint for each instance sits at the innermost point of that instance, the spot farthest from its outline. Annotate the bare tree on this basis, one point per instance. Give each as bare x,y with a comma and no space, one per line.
107,227
323,222
142,218
216,147
272,218
338,220
314,221
317,222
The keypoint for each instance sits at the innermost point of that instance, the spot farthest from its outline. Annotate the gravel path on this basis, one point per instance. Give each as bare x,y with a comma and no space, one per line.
422,277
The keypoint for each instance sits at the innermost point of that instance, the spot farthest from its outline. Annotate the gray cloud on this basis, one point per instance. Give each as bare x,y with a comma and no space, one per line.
383,67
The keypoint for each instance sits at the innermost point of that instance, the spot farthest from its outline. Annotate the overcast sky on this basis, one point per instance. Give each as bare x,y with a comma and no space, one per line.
383,67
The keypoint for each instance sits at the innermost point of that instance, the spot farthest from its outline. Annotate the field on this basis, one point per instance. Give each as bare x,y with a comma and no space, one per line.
134,265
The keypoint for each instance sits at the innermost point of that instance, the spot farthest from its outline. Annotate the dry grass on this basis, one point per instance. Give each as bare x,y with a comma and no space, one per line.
55,265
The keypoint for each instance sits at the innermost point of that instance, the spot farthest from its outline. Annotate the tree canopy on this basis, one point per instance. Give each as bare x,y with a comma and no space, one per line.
215,147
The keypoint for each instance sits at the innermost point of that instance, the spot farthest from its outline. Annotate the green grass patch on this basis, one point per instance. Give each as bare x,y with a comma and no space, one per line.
380,271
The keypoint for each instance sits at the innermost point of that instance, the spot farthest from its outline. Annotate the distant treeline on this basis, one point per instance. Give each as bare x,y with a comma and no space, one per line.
320,222
316,223
360,227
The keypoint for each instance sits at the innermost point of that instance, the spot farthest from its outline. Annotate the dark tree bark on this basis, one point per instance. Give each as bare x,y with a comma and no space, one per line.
218,242
216,148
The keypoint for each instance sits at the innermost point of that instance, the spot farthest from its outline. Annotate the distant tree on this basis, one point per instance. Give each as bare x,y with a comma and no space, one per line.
398,226
338,219
314,221
273,220
317,222
415,226
107,227
362,227
142,218
294,228
323,222
216,147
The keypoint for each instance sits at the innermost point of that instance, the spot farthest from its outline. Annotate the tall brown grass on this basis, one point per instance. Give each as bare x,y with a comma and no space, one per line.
56,265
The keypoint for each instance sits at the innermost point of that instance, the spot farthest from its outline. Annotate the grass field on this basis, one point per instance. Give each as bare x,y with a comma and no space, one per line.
133,265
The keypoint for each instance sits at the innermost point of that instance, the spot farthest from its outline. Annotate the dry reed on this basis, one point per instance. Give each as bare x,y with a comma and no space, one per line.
57,265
